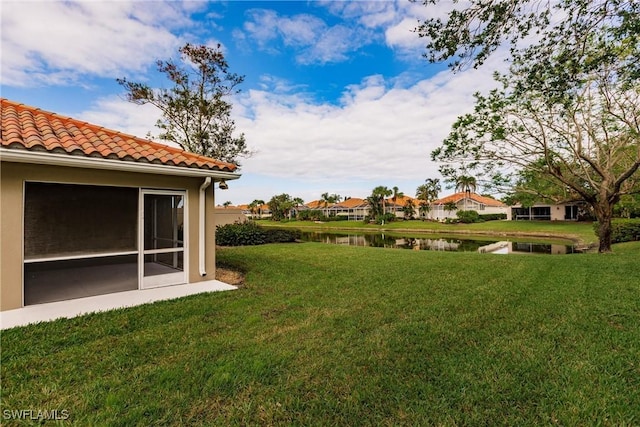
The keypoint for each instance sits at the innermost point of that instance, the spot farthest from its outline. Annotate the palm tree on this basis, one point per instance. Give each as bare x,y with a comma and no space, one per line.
226,204
256,206
329,199
424,209
396,194
375,205
377,200
408,209
450,206
384,192
297,202
428,193
467,184
324,197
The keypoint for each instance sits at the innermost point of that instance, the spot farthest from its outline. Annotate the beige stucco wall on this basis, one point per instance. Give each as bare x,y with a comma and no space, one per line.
229,216
12,178
557,212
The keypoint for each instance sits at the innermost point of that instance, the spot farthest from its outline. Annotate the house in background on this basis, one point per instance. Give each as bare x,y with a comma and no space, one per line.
547,212
259,212
397,207
88,211
353,208
463,201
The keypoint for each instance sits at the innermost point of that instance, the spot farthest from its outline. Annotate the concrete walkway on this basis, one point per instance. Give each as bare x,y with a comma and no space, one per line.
75,307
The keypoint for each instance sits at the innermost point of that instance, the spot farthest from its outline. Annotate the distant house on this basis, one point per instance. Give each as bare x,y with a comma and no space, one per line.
89,211
546,212
440,209
318,205
353,208
259,212
397,207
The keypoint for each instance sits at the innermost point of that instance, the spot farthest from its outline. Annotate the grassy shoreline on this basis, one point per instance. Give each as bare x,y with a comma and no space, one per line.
332,335
581,233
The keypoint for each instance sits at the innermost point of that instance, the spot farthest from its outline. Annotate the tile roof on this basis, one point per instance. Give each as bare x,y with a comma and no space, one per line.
456,197
353,202
246,207
29,128
318,204
402,201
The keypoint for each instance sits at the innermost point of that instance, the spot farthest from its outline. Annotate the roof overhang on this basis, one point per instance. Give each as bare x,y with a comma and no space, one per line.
54,159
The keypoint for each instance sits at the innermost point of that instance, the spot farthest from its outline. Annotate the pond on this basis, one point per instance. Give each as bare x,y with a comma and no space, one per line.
483,244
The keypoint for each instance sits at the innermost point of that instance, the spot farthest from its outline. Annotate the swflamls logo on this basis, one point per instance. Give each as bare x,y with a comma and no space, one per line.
35,414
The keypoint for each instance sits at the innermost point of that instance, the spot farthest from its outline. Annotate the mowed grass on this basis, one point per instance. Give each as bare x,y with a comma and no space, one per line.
332,335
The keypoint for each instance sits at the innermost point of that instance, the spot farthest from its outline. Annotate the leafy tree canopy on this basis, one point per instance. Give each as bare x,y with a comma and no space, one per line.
474,29
280,206
567,109
195,112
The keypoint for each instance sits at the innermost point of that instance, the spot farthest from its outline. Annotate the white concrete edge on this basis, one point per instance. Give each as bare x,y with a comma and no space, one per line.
100,303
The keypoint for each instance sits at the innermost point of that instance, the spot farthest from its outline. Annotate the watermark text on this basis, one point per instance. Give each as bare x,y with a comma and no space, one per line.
35,414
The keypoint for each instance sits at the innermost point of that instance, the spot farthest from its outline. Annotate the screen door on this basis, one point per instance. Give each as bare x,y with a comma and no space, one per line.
163,238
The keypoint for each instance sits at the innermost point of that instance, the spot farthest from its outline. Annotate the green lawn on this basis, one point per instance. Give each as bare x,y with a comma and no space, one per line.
332,335
578,231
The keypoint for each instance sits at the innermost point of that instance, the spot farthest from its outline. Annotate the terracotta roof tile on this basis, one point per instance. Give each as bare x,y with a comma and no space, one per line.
30,128
403,200
317,204
456,197
353,202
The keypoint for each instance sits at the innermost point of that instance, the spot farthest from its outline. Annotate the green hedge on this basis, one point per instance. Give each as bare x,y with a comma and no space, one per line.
468,217
318,215
380,219
493,217
623,230
249,234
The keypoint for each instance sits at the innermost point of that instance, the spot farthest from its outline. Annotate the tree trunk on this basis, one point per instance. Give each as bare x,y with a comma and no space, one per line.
604,213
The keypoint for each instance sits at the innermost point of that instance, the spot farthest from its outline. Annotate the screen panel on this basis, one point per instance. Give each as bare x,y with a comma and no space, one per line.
70,220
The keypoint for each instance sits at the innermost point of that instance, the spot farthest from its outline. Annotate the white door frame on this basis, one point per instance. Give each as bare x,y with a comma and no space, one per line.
179,277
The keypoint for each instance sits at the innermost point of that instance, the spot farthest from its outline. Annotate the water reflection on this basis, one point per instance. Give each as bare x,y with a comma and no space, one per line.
450,244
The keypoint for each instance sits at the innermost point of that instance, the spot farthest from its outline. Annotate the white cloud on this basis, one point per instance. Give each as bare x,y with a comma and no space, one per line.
381,133
115,113
51,42
371,14
402,37
300,30
397,20
314,40
378,130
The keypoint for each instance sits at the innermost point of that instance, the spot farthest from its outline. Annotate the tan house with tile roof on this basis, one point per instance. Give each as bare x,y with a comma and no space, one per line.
467,201
87,210
353,208
397,206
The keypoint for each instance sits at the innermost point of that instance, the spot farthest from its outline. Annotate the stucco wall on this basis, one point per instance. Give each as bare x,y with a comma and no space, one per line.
12,178
557,213
229,216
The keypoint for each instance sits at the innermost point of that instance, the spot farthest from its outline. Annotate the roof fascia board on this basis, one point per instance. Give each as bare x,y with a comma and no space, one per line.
46,158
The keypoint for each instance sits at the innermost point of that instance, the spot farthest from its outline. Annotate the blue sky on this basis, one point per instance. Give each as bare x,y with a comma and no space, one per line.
337,96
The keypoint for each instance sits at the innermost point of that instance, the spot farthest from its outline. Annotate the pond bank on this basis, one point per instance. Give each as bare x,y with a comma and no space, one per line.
579,240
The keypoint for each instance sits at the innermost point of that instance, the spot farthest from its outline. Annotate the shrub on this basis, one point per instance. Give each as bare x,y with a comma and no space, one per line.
281,235
310,215
493,217
468,217
240,234
623,230
380,219
249,233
